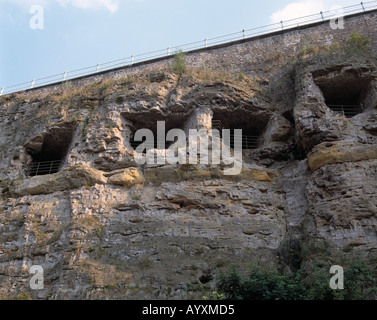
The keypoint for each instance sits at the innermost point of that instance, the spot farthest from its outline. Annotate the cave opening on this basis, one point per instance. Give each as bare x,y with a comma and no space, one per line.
150,121
344,93
252,125
49,152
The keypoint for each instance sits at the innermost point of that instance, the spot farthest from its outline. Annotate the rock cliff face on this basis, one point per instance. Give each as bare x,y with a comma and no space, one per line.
103,226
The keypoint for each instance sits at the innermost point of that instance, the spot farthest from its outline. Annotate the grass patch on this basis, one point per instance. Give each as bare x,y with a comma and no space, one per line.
23,296
276,56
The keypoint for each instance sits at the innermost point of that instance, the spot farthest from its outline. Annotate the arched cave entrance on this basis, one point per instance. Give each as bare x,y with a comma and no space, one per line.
344,92
49,151
137,121
252,125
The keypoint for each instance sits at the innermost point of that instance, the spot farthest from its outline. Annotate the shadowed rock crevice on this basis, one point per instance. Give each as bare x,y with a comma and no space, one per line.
334,103
344,90
252,126
149,121
49,151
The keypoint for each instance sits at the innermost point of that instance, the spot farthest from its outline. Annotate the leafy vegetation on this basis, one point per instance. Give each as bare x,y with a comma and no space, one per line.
354,45
23,296
357,43
214,296
262,283
179,64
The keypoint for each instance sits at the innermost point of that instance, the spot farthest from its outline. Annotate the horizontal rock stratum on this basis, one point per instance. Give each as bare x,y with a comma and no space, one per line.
339,152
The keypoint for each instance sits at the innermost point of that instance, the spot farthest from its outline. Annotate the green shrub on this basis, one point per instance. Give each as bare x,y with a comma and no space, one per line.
357,43
261,283
290,253
360,283
23,296
333,48
179,64
317,283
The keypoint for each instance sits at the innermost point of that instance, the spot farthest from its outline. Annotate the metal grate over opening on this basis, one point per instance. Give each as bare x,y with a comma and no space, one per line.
248,141
348,111
43,168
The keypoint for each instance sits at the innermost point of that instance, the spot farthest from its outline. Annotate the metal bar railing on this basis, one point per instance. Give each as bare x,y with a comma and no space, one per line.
348,111
45,167
248,141
144,57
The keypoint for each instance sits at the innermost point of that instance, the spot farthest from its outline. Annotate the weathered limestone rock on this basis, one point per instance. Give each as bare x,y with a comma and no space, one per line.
278,130
128,178
69,178
162,174
194,172
339,152
315,122
342,200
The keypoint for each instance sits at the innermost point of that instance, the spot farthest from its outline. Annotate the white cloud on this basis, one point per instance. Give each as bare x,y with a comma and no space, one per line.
26,3
297,9
111,5
307,7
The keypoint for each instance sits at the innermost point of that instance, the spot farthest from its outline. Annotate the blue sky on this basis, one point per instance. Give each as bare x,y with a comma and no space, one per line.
81,33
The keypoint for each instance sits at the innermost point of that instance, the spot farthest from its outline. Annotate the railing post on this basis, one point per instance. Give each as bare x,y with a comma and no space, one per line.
362,5
32,84
2,90
168,51
282,26
205,43
97,67
132,59
65,75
